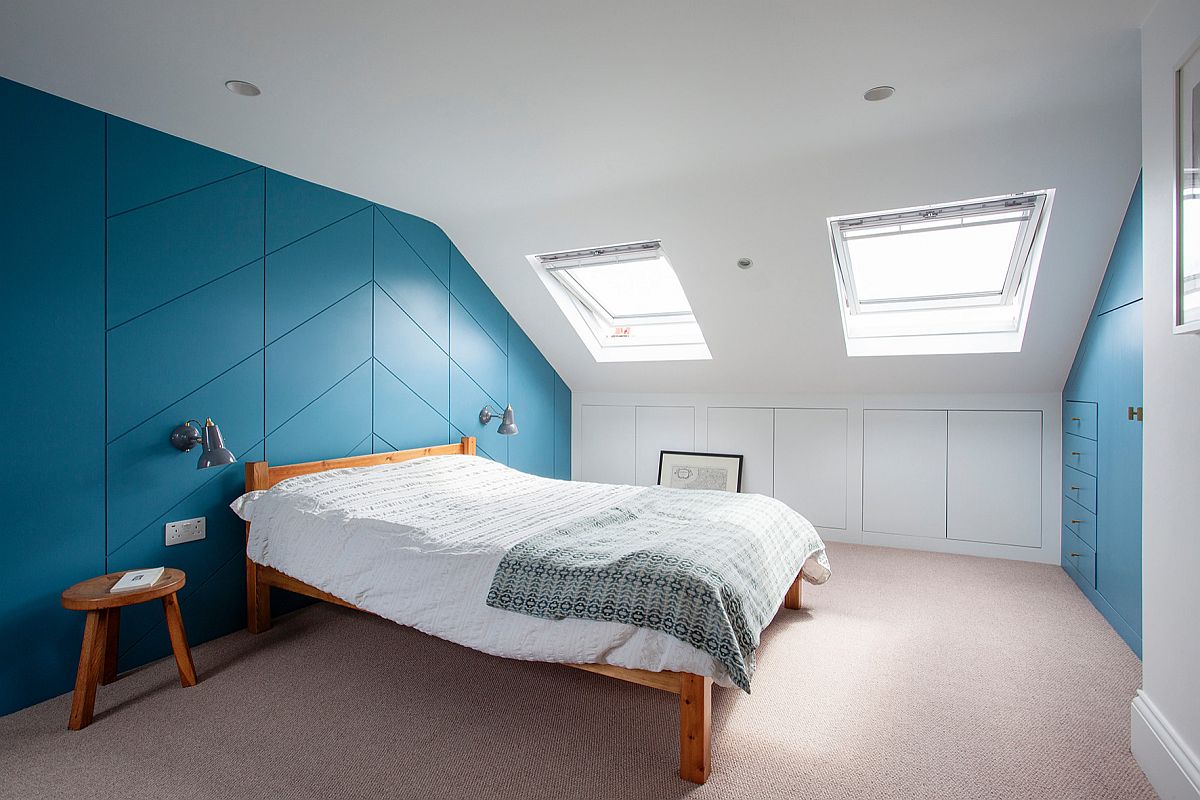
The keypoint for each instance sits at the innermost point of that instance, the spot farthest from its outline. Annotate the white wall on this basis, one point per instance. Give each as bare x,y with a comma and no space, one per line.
810,452
1166,713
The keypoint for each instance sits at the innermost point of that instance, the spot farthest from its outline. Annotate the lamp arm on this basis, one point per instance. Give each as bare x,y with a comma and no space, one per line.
185,441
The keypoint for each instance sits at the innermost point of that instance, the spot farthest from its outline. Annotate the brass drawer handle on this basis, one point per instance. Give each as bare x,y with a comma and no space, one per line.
1074,488
1076,419
1077,455
1074,555
1076,521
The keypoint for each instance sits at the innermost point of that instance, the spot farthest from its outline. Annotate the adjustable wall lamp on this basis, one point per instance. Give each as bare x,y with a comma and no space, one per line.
213,453
507,425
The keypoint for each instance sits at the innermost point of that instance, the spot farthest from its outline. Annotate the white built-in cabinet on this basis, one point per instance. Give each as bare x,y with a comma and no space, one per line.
811,462
973,476
970,479
658,428
904,472
749,432
607,436
994,477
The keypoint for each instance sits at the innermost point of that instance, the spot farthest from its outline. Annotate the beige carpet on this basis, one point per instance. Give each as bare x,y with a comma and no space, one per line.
910,676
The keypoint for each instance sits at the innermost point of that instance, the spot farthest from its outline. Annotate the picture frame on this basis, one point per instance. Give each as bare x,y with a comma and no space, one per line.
678,469
1186,289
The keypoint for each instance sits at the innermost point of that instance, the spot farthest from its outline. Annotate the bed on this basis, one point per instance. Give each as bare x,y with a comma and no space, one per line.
526,567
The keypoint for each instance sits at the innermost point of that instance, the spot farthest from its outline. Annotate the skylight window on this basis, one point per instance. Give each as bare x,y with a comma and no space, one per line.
625,301
952,278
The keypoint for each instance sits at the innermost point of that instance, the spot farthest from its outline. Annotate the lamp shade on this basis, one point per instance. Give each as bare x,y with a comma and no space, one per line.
508,426
215,453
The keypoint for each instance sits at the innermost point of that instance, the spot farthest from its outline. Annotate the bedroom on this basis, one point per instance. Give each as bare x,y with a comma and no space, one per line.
485,289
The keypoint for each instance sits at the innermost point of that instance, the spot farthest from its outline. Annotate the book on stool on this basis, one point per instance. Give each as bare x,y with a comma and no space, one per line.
138,579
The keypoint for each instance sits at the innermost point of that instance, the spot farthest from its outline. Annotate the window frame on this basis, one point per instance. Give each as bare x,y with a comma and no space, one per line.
664,336
943,324
563,274
1030,224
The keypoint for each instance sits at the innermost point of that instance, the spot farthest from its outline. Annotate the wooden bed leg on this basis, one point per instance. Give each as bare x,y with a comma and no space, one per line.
258,594
258,601
695,727
795,594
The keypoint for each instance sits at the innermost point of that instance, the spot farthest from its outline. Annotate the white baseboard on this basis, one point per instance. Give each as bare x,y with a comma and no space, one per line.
1171,766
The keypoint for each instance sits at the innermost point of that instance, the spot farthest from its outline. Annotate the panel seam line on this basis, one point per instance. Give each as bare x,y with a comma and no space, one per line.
181,193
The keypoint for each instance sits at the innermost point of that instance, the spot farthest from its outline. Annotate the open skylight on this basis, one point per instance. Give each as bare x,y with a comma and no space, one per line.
625,301
951,278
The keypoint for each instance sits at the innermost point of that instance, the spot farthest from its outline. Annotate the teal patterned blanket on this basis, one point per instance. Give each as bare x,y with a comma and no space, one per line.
709,568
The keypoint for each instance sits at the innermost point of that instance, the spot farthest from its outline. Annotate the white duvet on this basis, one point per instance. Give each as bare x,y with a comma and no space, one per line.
419,542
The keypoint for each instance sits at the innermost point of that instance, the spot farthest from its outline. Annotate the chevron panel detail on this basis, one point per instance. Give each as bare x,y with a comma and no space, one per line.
159,252
531,389
410,284
312,273
297,208
427,239
307,322
474,295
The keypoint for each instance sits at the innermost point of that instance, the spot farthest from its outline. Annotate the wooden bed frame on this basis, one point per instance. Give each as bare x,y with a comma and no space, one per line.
695,691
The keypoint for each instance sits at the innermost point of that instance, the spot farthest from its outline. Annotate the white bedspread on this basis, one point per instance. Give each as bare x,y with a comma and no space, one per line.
419,542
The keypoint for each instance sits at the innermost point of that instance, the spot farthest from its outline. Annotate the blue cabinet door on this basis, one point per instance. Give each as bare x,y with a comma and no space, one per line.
1119,515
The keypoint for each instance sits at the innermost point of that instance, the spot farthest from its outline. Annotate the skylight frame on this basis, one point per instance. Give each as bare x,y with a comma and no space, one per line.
1030,206
564,273
657,336
979,322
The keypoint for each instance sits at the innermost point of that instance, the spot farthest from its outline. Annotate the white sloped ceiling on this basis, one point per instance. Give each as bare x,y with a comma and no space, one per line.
725,129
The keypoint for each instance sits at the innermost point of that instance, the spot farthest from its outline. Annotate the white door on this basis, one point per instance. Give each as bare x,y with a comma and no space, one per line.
661,428
995,477
904,472
748,432
607,437
810,463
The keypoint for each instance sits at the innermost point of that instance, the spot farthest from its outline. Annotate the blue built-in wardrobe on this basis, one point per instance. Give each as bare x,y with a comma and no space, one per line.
1102,442
149,280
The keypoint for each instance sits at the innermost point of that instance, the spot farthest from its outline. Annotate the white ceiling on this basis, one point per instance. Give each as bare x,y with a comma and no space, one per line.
725,129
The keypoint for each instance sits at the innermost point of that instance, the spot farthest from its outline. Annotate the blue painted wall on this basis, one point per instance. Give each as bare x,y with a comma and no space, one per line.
152,280
1107,372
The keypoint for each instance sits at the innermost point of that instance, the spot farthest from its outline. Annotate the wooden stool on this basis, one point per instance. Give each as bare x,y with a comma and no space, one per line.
98,657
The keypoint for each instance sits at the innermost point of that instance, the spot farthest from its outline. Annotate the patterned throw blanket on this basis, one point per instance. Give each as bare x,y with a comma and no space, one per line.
709,568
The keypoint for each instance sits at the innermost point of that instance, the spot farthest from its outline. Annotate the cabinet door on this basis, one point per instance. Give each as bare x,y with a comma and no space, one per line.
810,463
607,439
994,477
661,428
904,472
1119,452
750,433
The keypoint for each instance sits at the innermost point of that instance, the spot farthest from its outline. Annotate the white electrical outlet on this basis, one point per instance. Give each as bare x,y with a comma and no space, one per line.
185,530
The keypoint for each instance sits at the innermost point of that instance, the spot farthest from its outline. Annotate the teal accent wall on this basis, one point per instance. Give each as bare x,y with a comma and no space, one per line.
1107,375
52,400
152,280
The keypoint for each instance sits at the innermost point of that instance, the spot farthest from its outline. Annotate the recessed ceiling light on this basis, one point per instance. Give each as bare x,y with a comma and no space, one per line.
878,93
745,263
246,89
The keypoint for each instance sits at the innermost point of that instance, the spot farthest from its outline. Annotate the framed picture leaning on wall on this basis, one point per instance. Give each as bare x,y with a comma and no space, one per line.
719,471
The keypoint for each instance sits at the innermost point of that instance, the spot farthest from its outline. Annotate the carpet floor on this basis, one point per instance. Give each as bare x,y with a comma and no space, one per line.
909,675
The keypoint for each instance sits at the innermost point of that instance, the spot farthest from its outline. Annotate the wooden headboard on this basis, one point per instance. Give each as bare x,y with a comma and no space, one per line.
261,475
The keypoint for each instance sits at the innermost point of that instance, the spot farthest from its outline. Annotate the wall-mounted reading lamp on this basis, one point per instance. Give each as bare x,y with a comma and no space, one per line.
507,426
213,453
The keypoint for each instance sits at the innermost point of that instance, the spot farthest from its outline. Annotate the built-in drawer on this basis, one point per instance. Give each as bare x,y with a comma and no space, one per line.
1079,418
1079,453
1080,487
1079,521
1081,557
